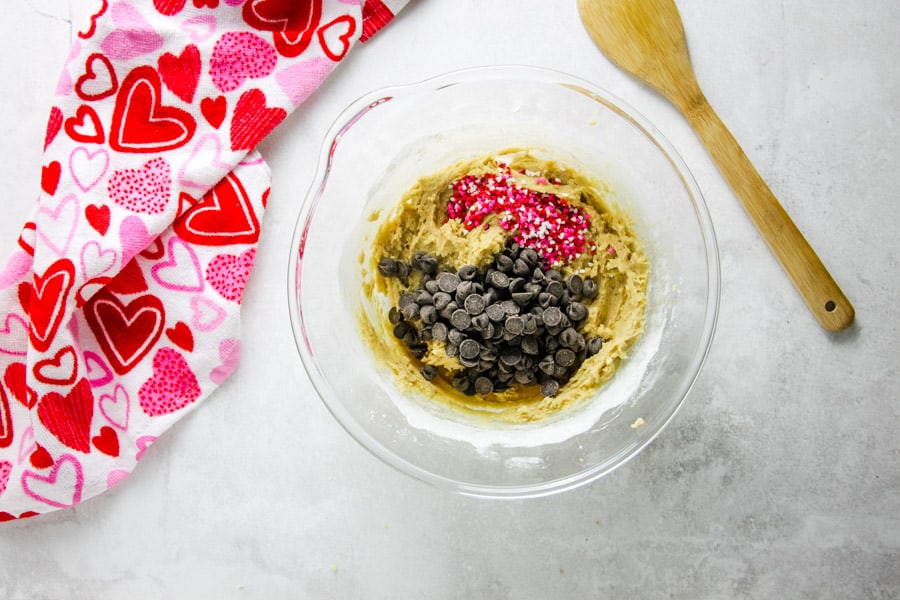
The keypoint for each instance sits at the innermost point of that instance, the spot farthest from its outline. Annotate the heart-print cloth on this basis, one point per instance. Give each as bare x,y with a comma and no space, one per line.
119,310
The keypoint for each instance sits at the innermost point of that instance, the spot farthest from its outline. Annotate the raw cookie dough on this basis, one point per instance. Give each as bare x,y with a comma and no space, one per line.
419,222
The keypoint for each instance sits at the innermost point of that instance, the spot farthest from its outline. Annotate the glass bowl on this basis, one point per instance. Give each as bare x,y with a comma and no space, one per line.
380,146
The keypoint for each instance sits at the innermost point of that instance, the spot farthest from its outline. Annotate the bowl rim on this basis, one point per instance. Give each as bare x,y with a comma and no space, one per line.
355,111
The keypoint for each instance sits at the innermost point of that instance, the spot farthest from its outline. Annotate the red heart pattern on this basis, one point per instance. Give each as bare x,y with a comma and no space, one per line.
99,80
50,177
68,417
181,74
125,332
46,301
213,110
6,422
151,96
98,217
60,369
85,126
141,123
107,442
223,216
14,378
54,124
253,120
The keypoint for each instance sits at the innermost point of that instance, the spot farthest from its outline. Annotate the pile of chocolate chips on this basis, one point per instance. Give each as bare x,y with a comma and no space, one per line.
516,322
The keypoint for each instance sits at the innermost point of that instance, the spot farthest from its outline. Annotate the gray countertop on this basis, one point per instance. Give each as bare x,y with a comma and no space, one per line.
779,477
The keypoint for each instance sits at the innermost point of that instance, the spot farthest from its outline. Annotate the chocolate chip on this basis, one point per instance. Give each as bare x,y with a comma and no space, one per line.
448,282
489,353
530,256
441,300
464,290
510,307
531,324
483,385
555,289
516,284
406,299
589,289
429,372
546,300
523,298
515,325
504,263
552,316
530,346
461,383
451,350
387,267
564,357
524,377
594,345
394,315
425,262
432,286
439,332
456,336
510,356
575,283
423,297
448,310
553,275
469,349
474,304
480,321
495,312
547,365
550,387
467,272
401,329
577,311
460,319
498,279
410,311
428,314
572,340
521,268
403,270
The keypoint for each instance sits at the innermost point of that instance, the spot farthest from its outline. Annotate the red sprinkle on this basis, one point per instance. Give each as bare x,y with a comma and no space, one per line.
545,222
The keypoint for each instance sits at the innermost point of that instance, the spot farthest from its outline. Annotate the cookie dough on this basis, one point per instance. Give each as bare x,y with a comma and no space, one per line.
420,222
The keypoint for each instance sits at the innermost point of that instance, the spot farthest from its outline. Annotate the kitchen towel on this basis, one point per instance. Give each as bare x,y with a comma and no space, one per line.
120,307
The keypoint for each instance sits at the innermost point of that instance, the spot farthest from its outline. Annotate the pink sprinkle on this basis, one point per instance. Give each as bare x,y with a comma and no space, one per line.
611,250
545,222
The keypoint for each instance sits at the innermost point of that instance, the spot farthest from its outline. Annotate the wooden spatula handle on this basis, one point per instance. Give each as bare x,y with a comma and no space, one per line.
823,296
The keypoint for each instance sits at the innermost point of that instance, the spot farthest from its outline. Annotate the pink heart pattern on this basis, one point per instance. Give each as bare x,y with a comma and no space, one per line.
172,387
144,190
239,56
228,273
158,104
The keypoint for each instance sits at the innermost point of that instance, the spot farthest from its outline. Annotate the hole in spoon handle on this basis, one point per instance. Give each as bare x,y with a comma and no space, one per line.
821,293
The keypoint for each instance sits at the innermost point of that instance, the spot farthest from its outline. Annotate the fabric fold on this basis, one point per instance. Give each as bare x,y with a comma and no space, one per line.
120,308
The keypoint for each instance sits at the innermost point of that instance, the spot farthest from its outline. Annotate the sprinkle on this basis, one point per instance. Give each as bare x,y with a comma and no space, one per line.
548,224
611,250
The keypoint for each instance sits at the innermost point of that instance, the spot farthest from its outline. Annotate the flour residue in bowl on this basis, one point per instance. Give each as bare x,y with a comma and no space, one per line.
564,228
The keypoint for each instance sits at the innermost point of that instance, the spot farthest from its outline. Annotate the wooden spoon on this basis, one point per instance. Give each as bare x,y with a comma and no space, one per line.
646,39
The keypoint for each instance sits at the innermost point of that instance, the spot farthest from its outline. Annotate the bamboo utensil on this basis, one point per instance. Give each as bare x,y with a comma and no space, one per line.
646,38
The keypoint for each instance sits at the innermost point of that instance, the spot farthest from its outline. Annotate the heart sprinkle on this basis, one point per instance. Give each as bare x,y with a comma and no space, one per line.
542,221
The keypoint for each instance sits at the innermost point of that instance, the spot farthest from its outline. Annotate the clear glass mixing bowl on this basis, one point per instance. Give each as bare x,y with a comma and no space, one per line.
385,141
